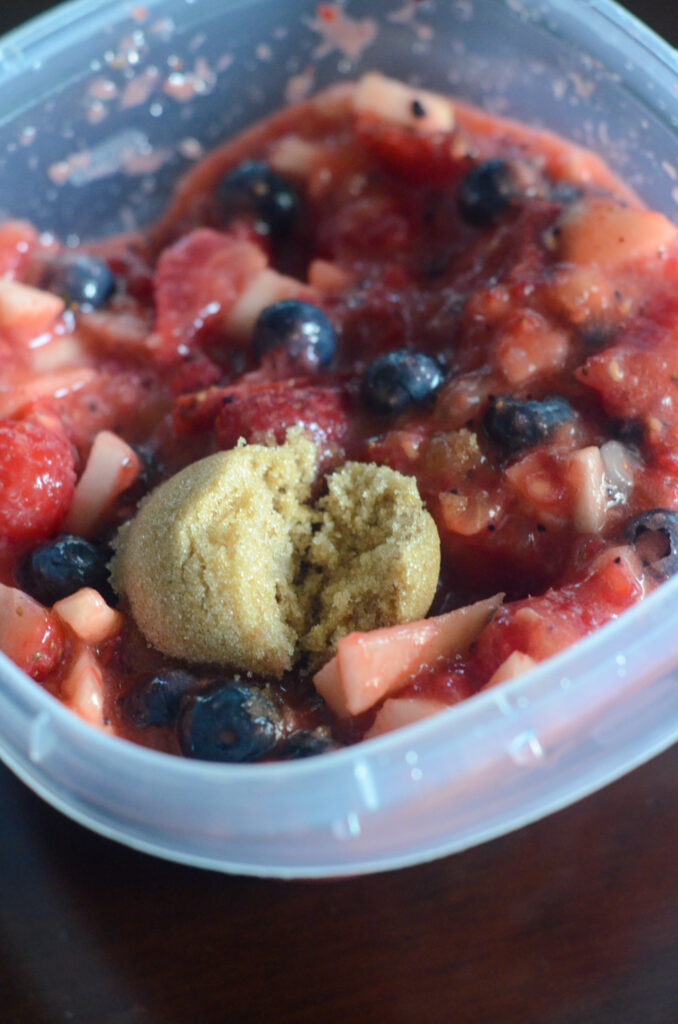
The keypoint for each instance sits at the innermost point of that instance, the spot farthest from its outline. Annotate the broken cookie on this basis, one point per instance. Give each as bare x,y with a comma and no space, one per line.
229,561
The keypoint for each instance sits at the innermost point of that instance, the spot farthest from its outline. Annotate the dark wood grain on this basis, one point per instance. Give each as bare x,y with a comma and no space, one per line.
573,920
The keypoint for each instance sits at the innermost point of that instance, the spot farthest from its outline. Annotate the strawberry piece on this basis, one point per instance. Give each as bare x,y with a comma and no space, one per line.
421,159
37,479
263,415
637,378
197,283
29,634
542,626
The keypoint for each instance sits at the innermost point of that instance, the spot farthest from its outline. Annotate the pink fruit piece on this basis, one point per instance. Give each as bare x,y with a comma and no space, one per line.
397,712
29,634
370,666
111,468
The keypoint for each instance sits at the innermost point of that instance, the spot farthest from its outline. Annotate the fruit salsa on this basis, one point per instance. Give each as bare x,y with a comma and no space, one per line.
381,413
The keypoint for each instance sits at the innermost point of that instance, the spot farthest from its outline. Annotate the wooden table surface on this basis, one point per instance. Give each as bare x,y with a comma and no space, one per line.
573,920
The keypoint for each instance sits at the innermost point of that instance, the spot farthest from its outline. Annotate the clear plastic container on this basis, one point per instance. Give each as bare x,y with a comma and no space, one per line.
102,105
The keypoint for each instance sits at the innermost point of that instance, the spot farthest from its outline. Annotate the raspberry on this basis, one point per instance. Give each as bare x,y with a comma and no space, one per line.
264,415
37,479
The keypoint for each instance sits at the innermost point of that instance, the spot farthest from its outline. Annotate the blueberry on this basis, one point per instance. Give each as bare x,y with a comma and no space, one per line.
659,528
401,378
156,699
565,192
60,567
486,192
252,187
228,721
299,330
305,743
81,281
514,424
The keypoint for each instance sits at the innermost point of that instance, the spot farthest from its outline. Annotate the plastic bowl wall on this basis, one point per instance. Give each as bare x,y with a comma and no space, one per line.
102,105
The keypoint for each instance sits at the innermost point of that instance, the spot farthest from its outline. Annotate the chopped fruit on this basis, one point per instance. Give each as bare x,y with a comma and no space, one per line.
294,156
295,333
487,191
59,567
253,188
385,355
111,468
29,634
328,277
370,666
83,282
60,352
82,689
431,159
605,232
400,104
540,482
268,413
37,479
198,282
267,288
21,389
18,240
528,348
515,665
542,626
586,478
400,379
228,721
397,712
637,376
26,313
89,616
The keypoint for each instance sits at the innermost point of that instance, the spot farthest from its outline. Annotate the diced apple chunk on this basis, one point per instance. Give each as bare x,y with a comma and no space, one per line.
588,486
89,616
293,156
111,468
328,277
60,351
605,232
370,666
515,665
82,689
267,287
402,104
397,712
27,313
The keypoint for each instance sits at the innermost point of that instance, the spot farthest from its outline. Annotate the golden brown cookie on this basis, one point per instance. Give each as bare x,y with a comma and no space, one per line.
229,562
208,564
378,552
